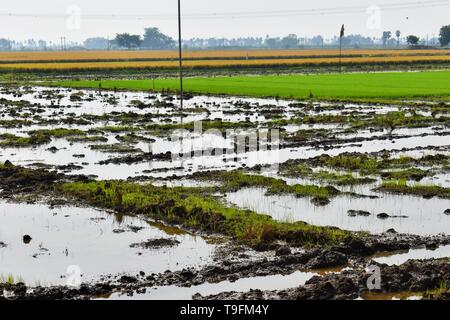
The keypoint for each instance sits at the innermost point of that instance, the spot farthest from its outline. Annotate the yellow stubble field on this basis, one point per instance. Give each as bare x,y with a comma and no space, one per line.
79,60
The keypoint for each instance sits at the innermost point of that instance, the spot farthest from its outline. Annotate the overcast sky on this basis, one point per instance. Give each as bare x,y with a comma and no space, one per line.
241,17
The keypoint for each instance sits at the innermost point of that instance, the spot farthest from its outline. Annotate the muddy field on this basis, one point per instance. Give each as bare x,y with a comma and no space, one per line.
122,195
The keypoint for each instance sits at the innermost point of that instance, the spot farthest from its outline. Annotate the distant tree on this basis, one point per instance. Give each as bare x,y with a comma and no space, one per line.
272,43
444,35
385,37
398,34
5,45
42,44
129,41
97,43
289,42
356,41
156,40
412,40
316,41
391,43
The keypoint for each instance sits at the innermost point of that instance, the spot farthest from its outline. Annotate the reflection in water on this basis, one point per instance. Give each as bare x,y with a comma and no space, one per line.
277,282
425,217
399,258
97,242
391,296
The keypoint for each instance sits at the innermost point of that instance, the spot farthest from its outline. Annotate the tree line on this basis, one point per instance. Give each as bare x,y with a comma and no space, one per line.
154,39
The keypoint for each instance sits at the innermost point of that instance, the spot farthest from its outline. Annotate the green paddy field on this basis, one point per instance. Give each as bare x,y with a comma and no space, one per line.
388,85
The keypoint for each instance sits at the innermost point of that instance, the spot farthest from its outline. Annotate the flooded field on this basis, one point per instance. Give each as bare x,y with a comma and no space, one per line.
148,195
92,239
98,131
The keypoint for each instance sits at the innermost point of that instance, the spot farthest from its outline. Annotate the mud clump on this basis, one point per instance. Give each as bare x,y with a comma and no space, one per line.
14,178
327,260
27,239
415,276
128,279
356,213
283,251
384,216
156,244
320,201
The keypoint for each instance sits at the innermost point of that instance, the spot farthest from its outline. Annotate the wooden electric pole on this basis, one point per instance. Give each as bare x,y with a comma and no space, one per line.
180,54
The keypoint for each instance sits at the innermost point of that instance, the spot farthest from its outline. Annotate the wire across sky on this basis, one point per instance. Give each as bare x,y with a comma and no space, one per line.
240,15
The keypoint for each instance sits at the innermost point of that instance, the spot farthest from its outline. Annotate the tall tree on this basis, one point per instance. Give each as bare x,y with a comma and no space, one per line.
444,35
156,40
385,37
129,41
398,34
412,40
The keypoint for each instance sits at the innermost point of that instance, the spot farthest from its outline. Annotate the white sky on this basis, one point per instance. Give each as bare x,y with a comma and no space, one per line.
426,18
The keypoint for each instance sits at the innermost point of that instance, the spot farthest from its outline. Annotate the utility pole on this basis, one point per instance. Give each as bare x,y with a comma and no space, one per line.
63,43
340,47
180,54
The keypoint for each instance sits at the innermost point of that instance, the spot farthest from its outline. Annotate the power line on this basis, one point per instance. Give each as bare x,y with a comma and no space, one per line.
242,14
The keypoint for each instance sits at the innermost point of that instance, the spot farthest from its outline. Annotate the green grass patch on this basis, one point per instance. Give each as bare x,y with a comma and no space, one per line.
235,180
441,293
427,191
371,165
196,208
295,170
12,141
59,132
415,174
10,279
37,137
114,148
87,139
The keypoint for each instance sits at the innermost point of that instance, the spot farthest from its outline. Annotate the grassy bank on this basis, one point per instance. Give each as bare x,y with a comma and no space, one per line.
197,209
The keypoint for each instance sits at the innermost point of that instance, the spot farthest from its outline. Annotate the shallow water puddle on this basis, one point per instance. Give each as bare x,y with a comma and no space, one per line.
95,241
413,254
390,296
425,217
276,282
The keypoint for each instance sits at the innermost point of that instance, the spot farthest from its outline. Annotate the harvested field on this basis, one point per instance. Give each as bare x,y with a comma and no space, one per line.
87,60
